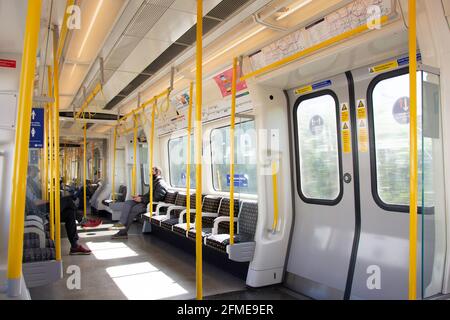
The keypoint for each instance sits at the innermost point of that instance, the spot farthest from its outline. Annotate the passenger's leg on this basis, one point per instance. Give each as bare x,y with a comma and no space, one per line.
135,211
68,217
128,205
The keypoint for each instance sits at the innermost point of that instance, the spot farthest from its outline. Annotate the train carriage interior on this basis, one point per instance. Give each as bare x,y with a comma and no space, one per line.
224,149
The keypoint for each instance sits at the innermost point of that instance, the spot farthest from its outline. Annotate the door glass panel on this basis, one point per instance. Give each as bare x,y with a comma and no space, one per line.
432,191
318,148
390,101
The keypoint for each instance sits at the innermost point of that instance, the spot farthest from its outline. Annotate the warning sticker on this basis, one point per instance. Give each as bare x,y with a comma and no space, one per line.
362,111
346,138
394,64
345,112
313,87
363,136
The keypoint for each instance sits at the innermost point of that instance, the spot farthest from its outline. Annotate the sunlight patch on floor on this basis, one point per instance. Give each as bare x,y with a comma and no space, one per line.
93,233
143,281
110,250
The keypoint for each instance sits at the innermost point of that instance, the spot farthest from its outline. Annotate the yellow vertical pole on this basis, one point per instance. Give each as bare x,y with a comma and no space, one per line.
188,160
16,228
84,169
56,148
151,148
413,151
232,127
92,162
113,187
198,153
51,155
275,196
65,165
45,175
133,176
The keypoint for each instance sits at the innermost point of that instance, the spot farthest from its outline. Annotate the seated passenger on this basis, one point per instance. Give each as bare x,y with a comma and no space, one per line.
35,204
138,205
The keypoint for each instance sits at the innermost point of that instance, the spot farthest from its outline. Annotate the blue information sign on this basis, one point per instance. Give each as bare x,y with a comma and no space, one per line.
240,180
37,129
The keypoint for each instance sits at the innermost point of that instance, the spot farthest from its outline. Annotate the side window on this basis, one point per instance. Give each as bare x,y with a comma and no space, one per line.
244,158
177,162
389,98
318,149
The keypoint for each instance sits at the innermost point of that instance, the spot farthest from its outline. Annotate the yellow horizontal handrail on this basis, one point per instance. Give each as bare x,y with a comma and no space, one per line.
88,100
144,105
313,49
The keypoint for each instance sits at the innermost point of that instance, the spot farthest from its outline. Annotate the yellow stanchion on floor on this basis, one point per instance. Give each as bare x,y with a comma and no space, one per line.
198,154
188,158
133,177
84,169
232,127
19,183
151,150
113,186
56,148
413,151
51,155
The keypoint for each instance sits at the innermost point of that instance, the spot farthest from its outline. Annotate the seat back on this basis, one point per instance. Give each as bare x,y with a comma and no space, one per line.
171,197
248,217
224,209
181,200
123,193
210,204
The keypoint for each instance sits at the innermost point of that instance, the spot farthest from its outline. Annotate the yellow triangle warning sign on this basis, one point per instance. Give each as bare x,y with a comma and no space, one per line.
344,107
361,104
345,126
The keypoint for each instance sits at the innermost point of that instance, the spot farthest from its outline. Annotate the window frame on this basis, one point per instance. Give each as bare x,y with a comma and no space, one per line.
340,195
212,162
168,158
395,208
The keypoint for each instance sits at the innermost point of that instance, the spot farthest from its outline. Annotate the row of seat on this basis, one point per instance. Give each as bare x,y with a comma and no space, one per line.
39,267
170,214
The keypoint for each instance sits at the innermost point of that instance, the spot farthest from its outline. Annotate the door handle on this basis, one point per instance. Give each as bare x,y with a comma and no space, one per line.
347,178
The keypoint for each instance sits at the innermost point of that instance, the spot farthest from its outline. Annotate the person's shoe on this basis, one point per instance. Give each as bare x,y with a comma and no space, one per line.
117,226
91,223
120,236
80,250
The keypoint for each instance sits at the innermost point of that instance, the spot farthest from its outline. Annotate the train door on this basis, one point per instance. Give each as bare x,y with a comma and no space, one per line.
351,152
322,242
383,249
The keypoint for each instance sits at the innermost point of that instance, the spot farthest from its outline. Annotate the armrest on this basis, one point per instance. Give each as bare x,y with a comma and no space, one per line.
171,208
34,223
162,205
39,232
217,221
210,214
34,218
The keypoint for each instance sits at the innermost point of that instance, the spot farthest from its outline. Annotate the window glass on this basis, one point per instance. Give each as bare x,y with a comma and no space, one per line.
390,101
318,148
244,158
177,162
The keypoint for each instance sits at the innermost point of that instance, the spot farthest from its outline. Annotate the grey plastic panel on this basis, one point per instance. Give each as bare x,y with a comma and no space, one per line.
38,274
241,252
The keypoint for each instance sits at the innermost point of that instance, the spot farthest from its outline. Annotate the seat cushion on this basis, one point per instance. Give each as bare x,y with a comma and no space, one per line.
181,228
205,232
221,241
168,224
35,243
38,254
157,219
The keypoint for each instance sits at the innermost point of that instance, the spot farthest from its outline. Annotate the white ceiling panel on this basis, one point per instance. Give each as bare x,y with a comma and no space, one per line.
12,25
172,26
191,5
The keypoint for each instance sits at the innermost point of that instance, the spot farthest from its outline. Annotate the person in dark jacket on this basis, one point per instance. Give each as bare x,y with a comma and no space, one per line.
138,204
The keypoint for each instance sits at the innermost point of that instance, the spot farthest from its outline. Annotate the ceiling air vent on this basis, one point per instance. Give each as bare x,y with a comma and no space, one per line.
218,14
